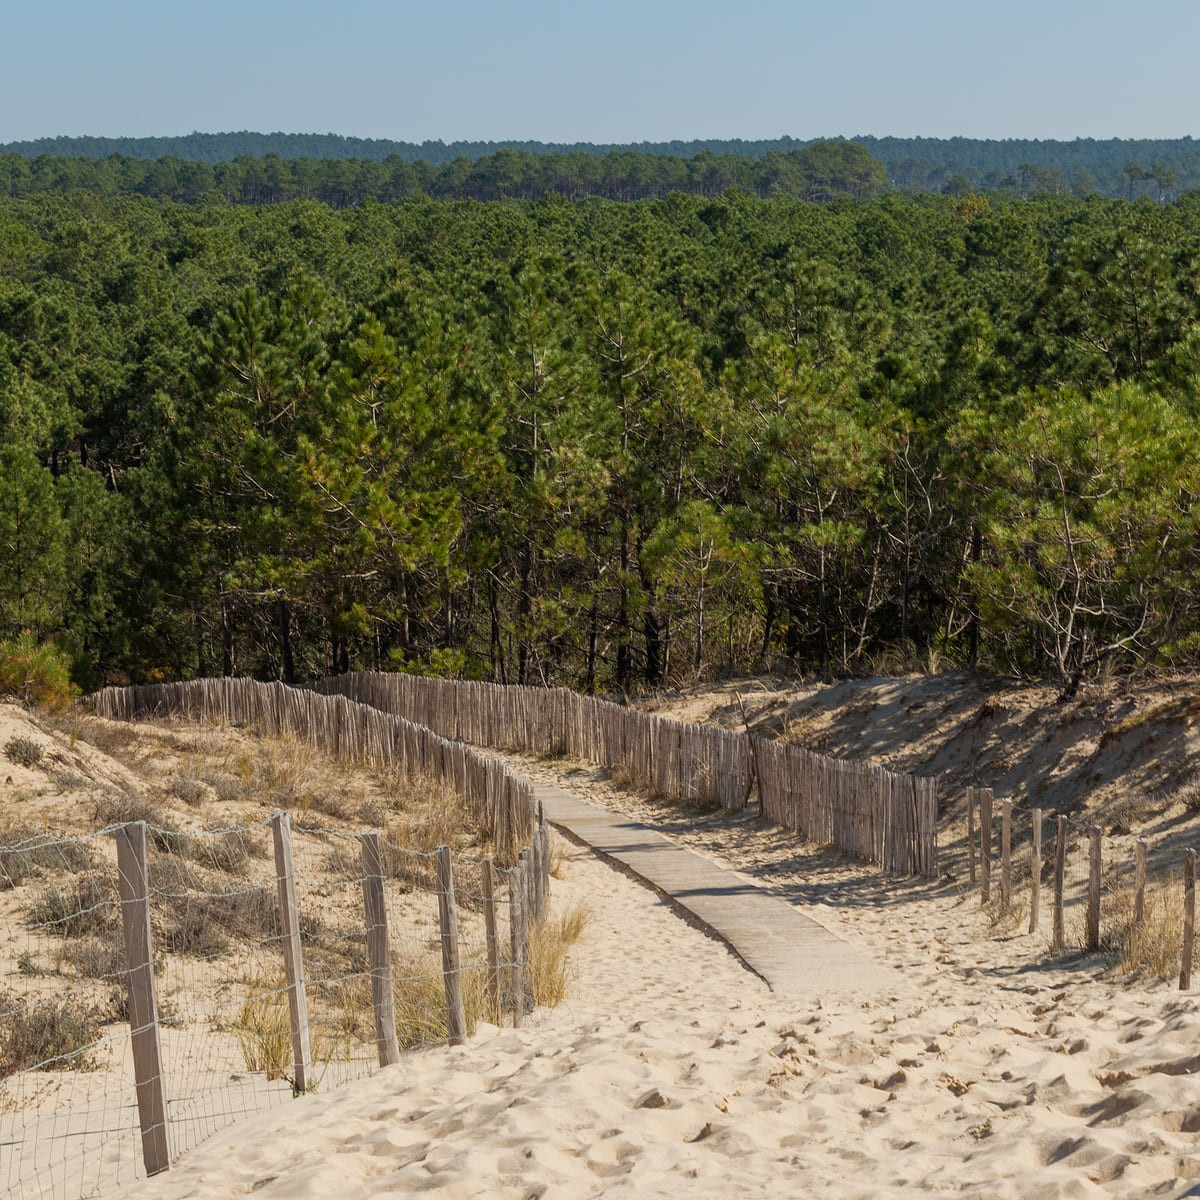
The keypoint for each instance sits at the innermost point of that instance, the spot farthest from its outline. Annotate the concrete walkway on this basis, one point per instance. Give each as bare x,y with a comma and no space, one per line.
790,951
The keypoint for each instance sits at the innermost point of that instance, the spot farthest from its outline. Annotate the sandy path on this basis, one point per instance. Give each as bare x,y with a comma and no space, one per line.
671,1070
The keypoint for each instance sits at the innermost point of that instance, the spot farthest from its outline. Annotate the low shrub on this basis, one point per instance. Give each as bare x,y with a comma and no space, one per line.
51,1034
189,930
124,808
223,850
94,958
88,906
190,791
23,751
25,853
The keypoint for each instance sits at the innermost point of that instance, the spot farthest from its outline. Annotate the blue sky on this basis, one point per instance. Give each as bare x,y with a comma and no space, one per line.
618,71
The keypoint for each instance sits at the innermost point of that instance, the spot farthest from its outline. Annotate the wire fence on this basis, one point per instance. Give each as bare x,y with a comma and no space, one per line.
164,985
862,809
1083,890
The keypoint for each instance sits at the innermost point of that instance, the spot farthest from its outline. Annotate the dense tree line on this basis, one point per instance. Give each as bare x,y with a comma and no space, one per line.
1161,168
225,147
821,171
603,444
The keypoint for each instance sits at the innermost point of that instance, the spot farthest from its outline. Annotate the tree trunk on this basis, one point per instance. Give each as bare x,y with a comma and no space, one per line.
496,645
973,622
226,642
285,642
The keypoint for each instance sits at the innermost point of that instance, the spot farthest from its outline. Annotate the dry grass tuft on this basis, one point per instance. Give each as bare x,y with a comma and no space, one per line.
420,1000
1152,949
23,751
94,958
550,941
263,1030
125,808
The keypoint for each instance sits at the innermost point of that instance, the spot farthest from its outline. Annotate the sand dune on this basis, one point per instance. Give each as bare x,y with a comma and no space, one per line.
671,1071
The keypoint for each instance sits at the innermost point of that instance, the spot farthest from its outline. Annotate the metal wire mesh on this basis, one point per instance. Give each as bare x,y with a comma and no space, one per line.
228,1042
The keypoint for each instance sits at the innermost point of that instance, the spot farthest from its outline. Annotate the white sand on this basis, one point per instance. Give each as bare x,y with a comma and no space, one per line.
672,1071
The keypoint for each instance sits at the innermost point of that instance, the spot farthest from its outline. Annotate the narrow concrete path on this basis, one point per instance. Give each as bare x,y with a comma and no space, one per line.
790,951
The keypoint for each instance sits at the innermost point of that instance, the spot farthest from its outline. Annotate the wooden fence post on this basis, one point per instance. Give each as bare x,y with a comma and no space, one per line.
544,835
383,999
971,833
1035,872
456,1017
1189,918
530,885
149,1083
293,960
1058,938
488,881
517,928
1006,854
1139,883
1092,940
538,848
985,844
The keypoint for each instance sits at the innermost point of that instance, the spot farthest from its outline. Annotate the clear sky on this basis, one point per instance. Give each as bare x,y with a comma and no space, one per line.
620,71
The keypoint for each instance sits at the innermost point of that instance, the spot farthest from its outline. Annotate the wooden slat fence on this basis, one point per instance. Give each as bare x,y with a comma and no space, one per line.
502,802
862,809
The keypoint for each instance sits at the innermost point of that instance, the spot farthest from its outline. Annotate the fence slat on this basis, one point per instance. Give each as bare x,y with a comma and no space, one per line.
1059,937
1189,918
1035,872
487,872
1006,855
1139,883
1092,934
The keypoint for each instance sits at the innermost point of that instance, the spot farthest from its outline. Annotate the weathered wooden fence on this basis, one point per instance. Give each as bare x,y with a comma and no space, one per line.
502,802
1095,887
862,809
168,984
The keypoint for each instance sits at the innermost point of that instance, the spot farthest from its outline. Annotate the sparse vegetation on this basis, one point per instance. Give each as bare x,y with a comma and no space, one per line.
25,853
23,751
263,1030
49,1034
86,906
550,942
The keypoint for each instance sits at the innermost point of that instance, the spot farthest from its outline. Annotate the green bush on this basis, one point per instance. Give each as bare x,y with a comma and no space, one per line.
35,674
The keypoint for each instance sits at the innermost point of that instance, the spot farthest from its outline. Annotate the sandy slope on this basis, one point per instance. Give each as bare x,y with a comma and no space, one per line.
1127,751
